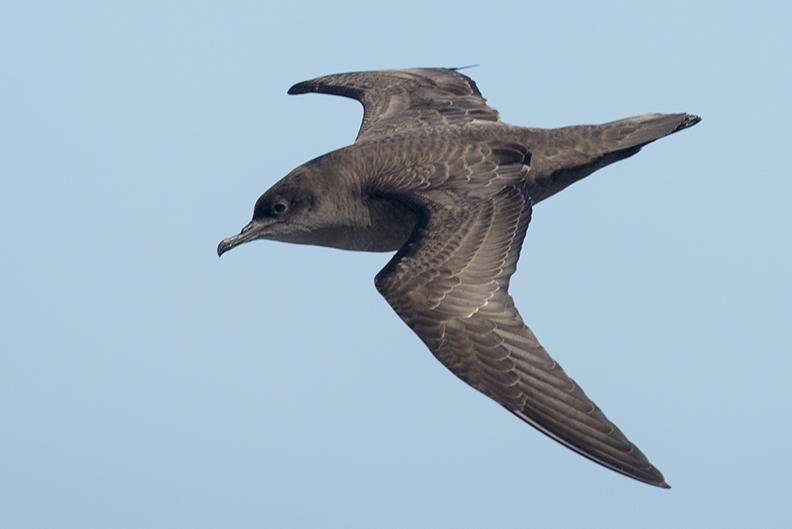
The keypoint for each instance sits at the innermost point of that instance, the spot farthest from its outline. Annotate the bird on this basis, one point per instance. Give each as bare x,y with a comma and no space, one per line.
437,177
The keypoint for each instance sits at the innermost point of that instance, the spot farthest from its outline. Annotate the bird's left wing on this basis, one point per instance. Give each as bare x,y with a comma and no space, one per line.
396,100
449,283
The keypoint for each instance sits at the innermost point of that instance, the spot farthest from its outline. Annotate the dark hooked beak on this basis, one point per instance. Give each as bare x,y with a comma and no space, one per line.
250,232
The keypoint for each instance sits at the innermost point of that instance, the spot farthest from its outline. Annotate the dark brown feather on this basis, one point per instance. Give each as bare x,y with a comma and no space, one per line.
431,153
397,100
449,283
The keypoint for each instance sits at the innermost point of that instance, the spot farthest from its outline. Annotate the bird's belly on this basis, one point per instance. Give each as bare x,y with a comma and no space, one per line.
370,239
365,239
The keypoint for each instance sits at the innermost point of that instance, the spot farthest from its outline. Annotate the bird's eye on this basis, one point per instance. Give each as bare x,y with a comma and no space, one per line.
279,207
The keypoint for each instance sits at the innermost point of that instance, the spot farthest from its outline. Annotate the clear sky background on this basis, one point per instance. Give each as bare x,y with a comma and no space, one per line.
146,384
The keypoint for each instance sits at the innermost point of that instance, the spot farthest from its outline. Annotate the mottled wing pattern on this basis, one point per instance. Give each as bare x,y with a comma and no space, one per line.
450,282
396,100
480,169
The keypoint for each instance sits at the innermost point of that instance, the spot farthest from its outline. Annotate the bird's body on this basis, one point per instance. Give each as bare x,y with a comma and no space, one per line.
435,175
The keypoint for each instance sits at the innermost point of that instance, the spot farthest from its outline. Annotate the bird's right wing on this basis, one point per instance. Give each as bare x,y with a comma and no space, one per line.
449,283
397,100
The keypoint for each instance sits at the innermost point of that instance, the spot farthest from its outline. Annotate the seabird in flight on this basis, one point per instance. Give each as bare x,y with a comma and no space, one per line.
435,175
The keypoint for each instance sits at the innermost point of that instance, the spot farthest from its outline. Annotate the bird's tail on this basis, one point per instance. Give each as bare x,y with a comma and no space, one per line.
599,145
637,131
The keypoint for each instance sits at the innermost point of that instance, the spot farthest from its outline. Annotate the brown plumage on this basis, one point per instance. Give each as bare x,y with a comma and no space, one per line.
436,175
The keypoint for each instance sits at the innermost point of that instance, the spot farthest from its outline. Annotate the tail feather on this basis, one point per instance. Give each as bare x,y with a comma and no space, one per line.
572,153
637,131
688,121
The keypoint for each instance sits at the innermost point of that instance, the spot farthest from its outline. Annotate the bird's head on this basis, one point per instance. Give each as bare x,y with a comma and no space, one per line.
285,212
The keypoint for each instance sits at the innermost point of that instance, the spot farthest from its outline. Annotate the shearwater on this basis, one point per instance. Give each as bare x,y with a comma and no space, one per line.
436,175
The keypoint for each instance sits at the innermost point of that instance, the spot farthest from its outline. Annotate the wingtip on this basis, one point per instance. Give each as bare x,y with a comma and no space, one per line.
657,480
301,88
654,477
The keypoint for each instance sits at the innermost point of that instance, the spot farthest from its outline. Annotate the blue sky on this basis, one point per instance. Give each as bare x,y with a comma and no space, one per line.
146,384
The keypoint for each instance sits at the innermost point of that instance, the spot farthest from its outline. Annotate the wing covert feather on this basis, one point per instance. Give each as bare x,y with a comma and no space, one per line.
397,100
449,283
